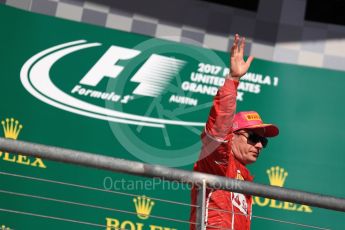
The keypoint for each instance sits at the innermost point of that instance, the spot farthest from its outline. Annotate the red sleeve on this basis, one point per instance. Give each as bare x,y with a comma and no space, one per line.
219,123
217,134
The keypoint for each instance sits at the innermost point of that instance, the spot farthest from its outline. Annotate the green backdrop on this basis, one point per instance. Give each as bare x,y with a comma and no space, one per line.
148,103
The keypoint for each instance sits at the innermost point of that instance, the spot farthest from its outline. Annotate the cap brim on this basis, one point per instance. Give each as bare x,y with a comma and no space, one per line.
269,130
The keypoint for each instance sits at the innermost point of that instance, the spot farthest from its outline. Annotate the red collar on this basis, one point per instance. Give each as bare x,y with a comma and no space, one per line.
241,167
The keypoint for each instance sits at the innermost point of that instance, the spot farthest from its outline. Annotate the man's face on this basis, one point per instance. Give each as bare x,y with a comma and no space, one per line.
244,148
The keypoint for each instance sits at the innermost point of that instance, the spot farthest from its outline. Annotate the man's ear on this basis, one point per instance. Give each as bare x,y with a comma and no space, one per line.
234,138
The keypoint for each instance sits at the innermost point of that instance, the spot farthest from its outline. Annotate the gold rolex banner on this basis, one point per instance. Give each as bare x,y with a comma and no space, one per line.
130,96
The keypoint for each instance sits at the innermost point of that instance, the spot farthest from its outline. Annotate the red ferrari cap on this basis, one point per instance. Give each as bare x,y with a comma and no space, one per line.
252,120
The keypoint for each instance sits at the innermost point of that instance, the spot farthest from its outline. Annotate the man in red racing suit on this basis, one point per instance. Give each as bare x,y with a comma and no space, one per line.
229,142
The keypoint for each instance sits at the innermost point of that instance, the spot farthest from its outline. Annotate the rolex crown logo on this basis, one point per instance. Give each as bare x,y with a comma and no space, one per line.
143,206
11,128
277,176
3,227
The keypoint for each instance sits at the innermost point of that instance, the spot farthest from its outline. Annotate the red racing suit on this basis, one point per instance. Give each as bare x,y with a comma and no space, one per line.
224,209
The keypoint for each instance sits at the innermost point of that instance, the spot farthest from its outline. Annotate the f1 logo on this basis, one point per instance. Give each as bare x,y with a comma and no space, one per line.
153,75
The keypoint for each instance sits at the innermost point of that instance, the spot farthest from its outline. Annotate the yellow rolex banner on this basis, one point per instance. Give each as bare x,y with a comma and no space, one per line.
130,96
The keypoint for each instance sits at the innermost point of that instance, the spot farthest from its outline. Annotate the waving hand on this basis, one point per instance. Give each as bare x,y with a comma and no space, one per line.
238,66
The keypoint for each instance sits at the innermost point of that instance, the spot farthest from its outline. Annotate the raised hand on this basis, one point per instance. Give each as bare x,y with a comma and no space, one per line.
239,67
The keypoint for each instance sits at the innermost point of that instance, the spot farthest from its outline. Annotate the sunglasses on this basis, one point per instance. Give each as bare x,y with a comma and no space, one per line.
254,138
